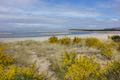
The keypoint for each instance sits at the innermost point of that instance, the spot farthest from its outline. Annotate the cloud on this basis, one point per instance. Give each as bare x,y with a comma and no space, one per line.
114,5
16,3
16,14
117,6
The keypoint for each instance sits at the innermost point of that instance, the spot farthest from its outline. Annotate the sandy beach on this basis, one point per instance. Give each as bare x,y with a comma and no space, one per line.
97,35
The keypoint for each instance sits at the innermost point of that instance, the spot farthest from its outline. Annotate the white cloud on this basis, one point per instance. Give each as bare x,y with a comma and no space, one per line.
17,2
25,13
115,19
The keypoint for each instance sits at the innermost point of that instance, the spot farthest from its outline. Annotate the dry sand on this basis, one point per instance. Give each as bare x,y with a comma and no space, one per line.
97,35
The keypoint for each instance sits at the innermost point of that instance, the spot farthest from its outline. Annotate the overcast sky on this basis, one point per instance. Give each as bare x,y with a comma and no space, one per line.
59,14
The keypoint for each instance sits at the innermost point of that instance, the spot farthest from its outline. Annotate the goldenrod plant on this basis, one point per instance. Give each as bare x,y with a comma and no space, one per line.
83,69
69,59
111,71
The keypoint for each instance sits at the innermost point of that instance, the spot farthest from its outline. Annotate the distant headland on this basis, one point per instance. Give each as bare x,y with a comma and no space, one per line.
105,29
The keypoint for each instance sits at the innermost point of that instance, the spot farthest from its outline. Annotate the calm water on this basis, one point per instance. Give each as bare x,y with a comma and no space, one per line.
15,34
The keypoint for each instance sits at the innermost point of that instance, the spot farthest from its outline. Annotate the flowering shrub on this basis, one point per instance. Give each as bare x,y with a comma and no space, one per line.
20,73
111,72
5,59
83,69
69,59
61,67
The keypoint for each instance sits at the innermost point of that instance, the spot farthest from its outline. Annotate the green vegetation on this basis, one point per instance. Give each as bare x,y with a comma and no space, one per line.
65,41
53,39
107,51
111,72
20,73
83,69
118,47
93,42
11,71
77,40
115,38
69,59
5,59
60,59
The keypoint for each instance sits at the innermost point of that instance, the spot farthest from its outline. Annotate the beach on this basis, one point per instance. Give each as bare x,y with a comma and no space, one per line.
51,54
103,36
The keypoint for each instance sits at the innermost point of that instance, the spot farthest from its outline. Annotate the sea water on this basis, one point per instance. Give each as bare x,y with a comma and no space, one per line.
17,34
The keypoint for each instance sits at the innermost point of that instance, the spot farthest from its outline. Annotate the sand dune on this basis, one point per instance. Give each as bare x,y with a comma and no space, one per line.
97,35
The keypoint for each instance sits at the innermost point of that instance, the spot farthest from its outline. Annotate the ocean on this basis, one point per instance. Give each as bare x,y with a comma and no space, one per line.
20,34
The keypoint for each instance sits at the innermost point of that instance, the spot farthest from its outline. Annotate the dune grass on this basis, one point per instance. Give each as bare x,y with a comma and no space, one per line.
62,59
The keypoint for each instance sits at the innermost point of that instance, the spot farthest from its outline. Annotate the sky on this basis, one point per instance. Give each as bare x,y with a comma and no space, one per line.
58,15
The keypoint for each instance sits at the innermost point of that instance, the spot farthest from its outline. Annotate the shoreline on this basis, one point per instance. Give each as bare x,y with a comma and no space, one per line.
103,36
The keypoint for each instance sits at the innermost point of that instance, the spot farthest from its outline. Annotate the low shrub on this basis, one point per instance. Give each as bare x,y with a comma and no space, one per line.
76,68
65,41
5,59
53,39
77,40
11,71
115,38
20,73
84,68
111,72
69,59
118,47
112,44
61,67
93,42
107,51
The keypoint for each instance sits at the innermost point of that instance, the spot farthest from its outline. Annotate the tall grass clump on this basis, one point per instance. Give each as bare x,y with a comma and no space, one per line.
65,41
69,59
61,66
58,69
93,42
118,47
5,59
112,44
53,39
77,40
107,51
20,73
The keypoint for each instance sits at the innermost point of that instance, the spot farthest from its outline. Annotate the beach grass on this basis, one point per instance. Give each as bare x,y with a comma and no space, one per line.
63,58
